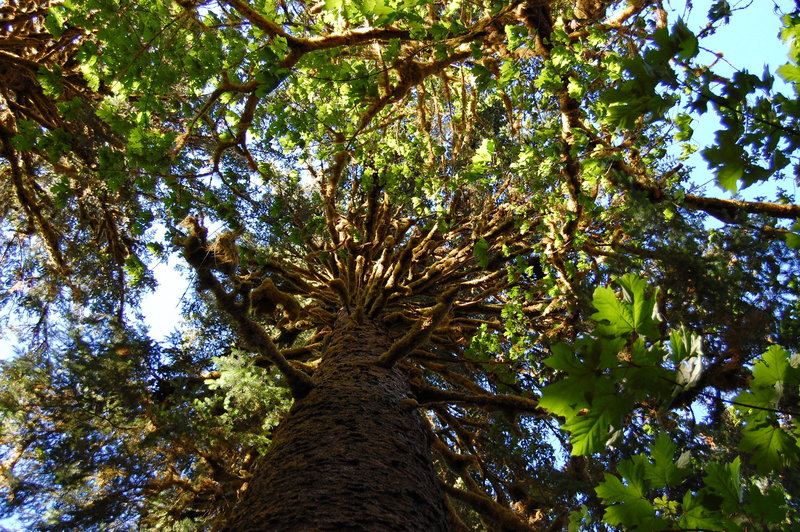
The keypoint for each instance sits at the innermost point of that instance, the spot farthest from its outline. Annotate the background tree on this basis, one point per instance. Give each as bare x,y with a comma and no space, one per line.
450,235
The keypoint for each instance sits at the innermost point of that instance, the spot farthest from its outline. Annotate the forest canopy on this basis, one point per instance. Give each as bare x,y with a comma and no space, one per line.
452,266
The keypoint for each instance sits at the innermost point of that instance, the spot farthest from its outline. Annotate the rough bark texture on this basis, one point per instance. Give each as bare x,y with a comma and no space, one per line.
351,455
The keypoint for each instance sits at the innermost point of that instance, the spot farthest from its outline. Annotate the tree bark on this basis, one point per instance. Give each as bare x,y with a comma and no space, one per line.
351,455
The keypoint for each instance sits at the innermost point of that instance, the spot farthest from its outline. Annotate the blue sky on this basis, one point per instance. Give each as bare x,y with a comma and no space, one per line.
750,42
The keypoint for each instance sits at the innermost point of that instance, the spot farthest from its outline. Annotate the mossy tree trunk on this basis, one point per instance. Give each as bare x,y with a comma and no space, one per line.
351,455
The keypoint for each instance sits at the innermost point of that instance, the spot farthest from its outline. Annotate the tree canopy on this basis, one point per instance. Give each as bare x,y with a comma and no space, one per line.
593,340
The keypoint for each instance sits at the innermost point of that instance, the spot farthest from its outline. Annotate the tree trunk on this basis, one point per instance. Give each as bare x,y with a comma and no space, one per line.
351,455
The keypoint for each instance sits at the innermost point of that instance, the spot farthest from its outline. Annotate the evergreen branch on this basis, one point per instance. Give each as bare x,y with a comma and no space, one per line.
254,336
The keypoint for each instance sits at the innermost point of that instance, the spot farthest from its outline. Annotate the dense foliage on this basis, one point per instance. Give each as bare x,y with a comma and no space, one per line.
594,341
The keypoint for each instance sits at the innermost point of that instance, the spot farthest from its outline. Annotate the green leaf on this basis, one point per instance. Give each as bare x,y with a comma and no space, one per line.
772,373
483,155
626,504
696,516
27,136
590,431
728,175
612,490
770,506
771,368
577,518
720,9
684,344
634,314
664,471
727,157
683,122
633,471
616,316
564,398
481,252
564,359
725,480
623,115
793,240
604,352
757,404
771,447
790,73
687,43
643,308
644,355
376,7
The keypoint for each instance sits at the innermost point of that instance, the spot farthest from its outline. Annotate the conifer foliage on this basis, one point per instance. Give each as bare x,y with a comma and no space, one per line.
451,267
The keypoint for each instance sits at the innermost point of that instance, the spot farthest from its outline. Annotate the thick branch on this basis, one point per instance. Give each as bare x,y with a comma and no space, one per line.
350,38
427,394
261,22
420,332
714,205
30,205
726,210
304,45
488,507
255,337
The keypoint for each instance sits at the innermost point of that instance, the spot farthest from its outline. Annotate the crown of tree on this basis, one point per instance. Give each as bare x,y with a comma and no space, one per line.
451,267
